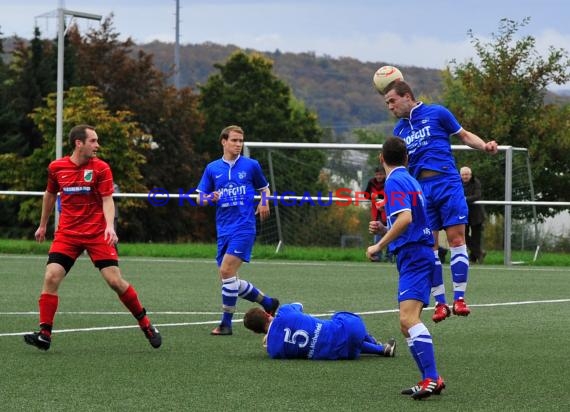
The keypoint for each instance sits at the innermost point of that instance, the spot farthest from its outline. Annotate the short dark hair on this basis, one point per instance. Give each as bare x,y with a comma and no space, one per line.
255,319
225,133
379,169
401,88
79,132
394,151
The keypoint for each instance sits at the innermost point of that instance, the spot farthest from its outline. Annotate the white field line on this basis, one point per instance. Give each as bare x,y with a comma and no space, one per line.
529,302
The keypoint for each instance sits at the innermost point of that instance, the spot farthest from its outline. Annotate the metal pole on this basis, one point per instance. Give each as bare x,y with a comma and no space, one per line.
177,48
61,13
59,103
277,217
508,207
533,198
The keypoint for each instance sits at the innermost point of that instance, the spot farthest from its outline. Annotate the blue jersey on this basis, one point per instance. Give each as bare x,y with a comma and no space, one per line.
296,335
403,192
427,135
237,184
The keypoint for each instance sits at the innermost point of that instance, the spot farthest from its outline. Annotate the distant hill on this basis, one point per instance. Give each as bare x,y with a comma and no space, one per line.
340,90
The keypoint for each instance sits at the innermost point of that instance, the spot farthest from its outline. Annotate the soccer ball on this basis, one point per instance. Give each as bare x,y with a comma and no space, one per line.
386,75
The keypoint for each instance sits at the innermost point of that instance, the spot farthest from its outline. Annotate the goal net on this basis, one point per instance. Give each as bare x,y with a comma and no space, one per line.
319,195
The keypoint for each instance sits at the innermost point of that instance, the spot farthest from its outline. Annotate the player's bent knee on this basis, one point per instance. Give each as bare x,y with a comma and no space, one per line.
63,260
456,236
110,271
407,321
120,286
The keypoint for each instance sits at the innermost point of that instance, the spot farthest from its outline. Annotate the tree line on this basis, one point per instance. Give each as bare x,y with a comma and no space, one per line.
154,135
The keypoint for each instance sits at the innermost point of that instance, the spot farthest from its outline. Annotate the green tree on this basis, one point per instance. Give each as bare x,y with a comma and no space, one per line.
501,96
127,79
117,136
172,165
168,117
31,75
246,92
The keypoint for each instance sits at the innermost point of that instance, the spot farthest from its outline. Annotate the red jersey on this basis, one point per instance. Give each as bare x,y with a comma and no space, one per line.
376,188
81,189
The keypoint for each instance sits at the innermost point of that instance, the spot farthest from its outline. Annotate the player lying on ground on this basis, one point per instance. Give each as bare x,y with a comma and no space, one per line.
292,334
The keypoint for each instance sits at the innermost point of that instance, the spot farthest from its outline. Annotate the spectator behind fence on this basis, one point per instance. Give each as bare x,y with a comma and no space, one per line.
474,230
375,190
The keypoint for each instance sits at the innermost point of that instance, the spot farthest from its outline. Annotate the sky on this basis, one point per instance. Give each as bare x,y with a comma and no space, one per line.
426,34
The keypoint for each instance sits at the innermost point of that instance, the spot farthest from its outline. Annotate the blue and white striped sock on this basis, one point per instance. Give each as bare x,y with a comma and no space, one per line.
423,345
437,286
249,292
459,270
230,288
413,351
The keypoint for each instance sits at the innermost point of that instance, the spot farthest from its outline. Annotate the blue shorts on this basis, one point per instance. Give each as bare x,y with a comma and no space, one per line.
239,245
415,264
354,333
445,201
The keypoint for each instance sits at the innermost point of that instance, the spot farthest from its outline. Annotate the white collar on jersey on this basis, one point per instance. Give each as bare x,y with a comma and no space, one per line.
231,162
397,167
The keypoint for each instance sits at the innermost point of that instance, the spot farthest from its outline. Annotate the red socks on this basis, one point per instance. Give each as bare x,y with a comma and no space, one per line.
131,300
48,306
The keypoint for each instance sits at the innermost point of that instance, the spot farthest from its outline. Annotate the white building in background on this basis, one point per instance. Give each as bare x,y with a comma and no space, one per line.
558,225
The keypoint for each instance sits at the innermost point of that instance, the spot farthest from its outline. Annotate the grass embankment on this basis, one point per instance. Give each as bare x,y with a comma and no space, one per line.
208,251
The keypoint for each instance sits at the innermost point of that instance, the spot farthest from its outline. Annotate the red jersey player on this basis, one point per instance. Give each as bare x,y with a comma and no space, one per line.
85,184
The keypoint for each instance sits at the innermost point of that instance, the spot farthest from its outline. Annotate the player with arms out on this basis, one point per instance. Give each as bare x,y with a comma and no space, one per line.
86,223
427,129
409,237
292,334
230,183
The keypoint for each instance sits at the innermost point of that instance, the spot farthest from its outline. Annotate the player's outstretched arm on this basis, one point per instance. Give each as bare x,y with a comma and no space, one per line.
475,142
